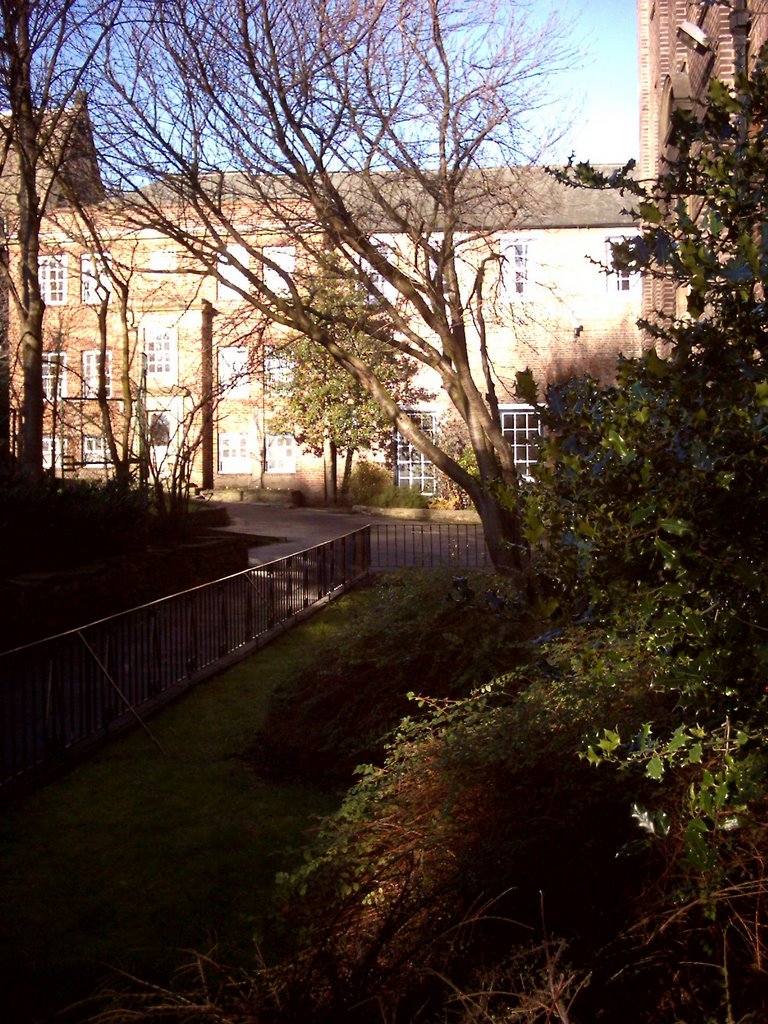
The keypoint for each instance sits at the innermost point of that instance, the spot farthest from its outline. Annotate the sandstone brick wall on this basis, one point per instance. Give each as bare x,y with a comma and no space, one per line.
570,318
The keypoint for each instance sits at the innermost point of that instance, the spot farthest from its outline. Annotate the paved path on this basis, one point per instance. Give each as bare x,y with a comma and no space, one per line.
394,543
293,529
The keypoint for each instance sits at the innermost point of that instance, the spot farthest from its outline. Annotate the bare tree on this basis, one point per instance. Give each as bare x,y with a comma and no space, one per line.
107,269
325,125
156,430
46,52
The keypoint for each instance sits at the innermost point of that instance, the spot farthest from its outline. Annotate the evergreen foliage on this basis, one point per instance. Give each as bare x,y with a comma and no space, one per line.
325,408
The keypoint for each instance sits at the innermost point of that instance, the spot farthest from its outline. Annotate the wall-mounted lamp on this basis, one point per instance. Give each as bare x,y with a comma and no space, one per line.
693,37
577,329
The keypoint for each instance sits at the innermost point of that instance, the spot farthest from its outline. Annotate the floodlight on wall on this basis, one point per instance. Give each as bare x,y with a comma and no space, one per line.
694,37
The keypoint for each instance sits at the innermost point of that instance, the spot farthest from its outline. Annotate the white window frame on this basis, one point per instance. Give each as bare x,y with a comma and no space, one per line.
234,452
161,348
232,279
412,469
48,446
284,257
280,453
379,284
520,424
52,273
95,451
234,372
57,378
95,287
278,368
425,256
91,361
516,266
619,280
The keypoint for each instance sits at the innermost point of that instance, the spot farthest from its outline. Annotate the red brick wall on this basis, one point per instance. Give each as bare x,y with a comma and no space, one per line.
663,58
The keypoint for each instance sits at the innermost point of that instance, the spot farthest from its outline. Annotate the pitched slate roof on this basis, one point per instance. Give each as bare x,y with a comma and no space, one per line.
547,203
487,200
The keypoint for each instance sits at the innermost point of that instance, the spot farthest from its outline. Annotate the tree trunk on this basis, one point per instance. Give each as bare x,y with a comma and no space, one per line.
330,462
206,345
347,474
31,307
31,434
503,534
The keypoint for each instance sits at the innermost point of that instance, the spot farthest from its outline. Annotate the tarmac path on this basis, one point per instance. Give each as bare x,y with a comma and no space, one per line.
289,529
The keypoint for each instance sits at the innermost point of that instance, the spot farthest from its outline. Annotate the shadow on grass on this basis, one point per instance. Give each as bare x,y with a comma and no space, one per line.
140,855
148,853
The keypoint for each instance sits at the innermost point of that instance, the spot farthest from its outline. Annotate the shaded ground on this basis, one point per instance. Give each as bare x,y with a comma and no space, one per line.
144,853
154,849
413,634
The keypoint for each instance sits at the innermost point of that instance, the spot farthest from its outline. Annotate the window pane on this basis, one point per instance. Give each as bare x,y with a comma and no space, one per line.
53,279
234,378
54,375
278,368
515,267
281,453
160,430
621,278
231,273
412,469
379,285
53,445
521,426
91,365
284,257
94,451
160,352
234,454
162,261
94,287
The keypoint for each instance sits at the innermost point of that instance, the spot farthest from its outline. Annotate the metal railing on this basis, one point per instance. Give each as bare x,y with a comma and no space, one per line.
428,546
63,695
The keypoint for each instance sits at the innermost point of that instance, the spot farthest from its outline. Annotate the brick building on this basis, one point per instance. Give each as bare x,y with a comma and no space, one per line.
683,44
178,359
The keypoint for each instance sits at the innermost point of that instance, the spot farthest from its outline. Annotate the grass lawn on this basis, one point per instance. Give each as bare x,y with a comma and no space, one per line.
139,855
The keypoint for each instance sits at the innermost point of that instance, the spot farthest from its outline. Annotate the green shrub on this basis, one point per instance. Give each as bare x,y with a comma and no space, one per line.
371,484
393,496
481,818
484,841
368,478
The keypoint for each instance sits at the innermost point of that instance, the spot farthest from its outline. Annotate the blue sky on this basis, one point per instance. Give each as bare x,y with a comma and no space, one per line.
605,88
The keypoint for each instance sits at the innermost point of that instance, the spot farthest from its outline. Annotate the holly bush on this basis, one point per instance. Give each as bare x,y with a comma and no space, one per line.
653,493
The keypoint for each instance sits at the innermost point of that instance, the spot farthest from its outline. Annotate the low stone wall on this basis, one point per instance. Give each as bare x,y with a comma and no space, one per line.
258,495
421,515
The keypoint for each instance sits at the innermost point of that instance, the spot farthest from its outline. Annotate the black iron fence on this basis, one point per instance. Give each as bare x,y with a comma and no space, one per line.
428,546
63,695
